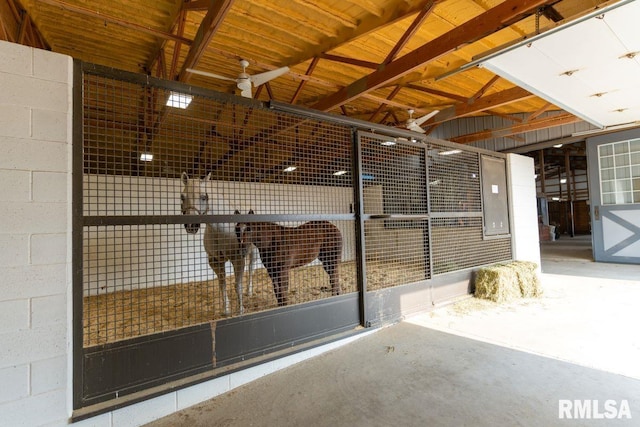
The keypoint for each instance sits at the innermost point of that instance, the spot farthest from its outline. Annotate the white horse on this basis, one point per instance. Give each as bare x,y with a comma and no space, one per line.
221,240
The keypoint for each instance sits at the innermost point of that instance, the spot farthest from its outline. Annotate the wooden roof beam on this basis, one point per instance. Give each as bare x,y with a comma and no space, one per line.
393,93
351,61
422,16
439,93
543,123
312,67
495,100
541,110
213,19
484,88
390,15
501,16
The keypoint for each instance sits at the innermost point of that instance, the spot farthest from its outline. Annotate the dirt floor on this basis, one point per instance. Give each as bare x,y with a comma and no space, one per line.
126,314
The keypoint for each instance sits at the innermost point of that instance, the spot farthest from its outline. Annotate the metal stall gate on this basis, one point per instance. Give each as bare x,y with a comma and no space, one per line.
423,223
168,176
308,224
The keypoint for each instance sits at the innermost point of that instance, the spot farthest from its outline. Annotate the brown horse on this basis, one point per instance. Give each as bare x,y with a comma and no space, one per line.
283,248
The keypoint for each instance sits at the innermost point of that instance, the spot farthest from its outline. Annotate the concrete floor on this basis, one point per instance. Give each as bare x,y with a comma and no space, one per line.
470,363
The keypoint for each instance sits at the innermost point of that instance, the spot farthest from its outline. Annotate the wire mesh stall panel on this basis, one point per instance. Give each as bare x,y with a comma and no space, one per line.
395,211
395,223
206,221
458,240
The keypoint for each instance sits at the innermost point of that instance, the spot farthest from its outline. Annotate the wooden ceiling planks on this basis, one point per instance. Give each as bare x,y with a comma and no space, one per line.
331,46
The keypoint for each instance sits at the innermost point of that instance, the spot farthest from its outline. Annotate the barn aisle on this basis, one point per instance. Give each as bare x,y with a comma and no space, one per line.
469,363
408,375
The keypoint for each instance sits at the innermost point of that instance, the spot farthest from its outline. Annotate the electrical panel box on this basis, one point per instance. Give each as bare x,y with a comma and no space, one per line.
494,196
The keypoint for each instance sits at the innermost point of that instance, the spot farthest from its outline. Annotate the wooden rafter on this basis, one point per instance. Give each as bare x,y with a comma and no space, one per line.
484,88
160,54
197,5
182,17
404,106
312,67
393,93
17,26
390,15
485,103
351,61
541,110
208,27
422,16
439,93
501,16
543,123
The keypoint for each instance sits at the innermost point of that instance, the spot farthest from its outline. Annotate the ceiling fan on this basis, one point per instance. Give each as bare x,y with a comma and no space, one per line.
414,124
245,82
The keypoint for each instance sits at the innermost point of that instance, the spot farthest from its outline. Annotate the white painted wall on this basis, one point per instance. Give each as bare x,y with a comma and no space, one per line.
122,258
523,211
35,235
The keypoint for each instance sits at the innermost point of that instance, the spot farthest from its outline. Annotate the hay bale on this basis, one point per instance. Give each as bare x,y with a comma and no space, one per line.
528,279
506,282
497,283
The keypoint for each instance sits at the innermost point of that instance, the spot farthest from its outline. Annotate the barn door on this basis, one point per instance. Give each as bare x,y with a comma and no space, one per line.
395,221
614,187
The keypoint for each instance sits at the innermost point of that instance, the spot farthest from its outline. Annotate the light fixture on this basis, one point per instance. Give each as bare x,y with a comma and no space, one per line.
340,173
555,199
388,143
146,157
179,100
595,80
450,152
290,168
557,146
563,180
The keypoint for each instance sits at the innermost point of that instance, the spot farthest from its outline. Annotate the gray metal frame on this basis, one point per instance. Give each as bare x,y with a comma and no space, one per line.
313,323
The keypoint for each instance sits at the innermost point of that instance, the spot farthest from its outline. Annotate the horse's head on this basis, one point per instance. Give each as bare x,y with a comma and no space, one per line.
248,232
194,199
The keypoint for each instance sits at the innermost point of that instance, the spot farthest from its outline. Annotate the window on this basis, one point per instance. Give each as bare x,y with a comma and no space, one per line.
620,172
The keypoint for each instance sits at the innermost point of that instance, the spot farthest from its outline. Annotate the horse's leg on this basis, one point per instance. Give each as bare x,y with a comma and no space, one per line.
284,286
331,267
330,257
218,267
238,270
252,259
276,273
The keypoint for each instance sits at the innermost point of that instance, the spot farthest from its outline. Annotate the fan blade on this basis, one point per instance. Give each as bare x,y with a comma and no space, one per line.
212,75
423,119
262,78
415,127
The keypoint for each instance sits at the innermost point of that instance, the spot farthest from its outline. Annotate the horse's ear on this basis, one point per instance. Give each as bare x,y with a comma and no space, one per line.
251,212
185,178
237,212
209,176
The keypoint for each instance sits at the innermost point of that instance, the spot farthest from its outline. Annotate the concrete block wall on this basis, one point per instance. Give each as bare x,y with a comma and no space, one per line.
523,209
35,235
